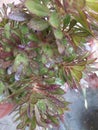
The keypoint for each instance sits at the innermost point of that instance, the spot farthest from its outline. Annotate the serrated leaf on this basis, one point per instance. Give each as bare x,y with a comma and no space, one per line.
35,7
38,24
54,20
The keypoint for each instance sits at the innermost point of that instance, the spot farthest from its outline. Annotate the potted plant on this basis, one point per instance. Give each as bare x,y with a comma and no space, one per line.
42,47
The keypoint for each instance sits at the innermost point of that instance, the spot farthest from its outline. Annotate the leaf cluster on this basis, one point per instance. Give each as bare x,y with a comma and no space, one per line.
41,41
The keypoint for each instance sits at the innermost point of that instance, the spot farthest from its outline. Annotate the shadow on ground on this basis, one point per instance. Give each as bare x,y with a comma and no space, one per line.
80,118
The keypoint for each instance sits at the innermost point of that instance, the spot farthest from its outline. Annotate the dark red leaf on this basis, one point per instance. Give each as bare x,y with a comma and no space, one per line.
4,55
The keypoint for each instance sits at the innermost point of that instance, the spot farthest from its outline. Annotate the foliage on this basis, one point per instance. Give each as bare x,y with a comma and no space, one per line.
41,42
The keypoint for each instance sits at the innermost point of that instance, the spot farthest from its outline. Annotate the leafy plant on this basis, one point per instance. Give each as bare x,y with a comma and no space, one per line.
41,43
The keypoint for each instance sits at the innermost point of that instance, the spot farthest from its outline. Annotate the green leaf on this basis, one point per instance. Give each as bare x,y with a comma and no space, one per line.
76,74
79,68
2,87
58,91
66,20
24,29
35,7
82,19
54,20
43,70
35,97
58,34
33,123
38,24
44,59
2,71
64,41
54,120
32,37
38,117
7,30
72,24
50,80
21,59
20,125
82,33
76,39
47,49
46,2
60,81
41,105
51,73
61,75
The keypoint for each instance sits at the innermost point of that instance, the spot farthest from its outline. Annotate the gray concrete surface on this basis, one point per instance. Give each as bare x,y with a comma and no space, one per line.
80,118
